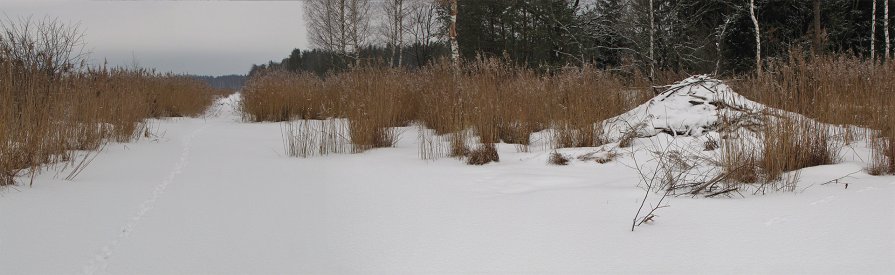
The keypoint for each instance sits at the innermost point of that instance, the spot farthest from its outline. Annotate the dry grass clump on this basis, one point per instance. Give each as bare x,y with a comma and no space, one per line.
282,96
486,153
837,90
883,146
792,145
582,99
459,147
373,101
883,156
378,101
780,147
171,95
557,159
306,138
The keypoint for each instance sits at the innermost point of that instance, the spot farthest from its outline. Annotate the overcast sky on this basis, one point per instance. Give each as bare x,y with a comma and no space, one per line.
197,37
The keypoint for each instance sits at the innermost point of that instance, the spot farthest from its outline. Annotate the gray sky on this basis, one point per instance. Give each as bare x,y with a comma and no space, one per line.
198,37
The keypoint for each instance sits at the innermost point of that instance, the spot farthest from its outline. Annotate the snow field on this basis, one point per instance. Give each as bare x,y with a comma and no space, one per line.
216,195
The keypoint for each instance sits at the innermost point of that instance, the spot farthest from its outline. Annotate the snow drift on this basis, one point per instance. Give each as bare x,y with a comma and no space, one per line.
691,107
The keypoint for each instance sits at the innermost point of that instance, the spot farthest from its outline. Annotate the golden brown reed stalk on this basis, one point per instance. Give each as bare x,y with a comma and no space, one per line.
494,101
838,90
497,102
44,117
282,96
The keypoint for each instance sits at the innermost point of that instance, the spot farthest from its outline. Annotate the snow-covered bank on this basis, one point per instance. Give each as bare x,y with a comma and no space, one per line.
218,196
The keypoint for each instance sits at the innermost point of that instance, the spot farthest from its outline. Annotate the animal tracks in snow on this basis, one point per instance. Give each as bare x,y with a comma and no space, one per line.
100,261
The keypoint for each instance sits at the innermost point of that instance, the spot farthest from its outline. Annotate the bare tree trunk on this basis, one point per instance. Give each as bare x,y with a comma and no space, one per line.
718,43
395,25
400,16
757,37
343,29
455,47
393,34
886,28
818,48
360,23
396,14
873,33
652,44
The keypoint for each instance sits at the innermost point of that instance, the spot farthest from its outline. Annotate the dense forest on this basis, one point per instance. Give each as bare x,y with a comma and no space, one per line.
688,36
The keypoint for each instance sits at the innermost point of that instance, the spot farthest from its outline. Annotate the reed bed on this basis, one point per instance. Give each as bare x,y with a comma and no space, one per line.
836,90
765,159
45,118
490,102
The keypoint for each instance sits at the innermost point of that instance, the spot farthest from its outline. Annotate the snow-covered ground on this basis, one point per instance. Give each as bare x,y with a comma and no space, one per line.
216,195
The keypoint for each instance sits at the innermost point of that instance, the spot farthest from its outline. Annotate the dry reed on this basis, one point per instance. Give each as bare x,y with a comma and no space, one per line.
46,117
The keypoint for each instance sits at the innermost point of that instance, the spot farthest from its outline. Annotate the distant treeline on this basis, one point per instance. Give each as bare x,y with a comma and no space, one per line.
234,82
321,62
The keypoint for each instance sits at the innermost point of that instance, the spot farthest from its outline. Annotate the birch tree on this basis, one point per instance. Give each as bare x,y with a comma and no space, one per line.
396,22
817,38
339,26
886,28
452,34
359,24
757,37
652,43
873,33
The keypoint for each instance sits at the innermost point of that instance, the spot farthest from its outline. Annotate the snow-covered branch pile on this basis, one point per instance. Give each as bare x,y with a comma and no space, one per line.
691,107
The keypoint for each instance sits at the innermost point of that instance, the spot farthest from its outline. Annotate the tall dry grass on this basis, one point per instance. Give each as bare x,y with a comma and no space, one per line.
282,96
491,100
46,117
767,158
838,90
